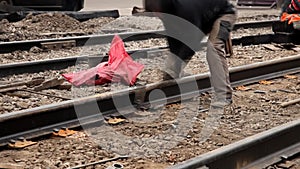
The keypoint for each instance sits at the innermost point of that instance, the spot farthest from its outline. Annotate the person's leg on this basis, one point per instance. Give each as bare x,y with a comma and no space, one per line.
217,59
177,59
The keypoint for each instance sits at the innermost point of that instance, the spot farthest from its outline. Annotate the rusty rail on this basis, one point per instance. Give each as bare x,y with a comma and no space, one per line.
62,63
6,47
42,120
258,151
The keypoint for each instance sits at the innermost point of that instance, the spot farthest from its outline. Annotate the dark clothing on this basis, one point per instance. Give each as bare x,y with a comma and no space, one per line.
285,5
186,23
201,13
291,6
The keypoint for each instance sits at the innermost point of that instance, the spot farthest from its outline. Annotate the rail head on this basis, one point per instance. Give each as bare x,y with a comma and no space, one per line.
249,150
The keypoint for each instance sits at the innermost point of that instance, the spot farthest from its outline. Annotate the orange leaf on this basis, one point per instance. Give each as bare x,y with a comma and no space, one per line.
64,133
115,120
264,82
290,77
242,88
21,144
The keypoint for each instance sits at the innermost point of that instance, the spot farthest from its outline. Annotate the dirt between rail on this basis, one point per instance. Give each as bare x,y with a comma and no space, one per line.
49,25
36,53
251,113
19,100
55,25
58,25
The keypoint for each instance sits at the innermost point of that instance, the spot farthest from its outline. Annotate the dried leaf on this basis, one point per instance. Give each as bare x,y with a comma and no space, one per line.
290,77
243,88
287,164
115,120
265,82
64,133
21,144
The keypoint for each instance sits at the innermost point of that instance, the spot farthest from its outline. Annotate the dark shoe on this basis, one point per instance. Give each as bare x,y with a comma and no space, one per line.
137,10
167,76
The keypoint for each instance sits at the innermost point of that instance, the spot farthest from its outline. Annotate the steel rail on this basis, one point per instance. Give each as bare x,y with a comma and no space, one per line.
6,47
249,7
3,16
254,24
62,63
257,151
267,38
42,120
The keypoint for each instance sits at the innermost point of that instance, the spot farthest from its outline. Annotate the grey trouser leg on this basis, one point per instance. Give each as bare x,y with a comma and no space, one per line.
216,56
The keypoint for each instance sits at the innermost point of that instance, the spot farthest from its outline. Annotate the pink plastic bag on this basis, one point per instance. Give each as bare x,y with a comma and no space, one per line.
119,68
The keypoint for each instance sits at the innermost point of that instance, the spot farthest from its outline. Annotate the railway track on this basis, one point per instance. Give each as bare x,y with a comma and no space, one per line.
68,42
61,63
30,67
254,24
265,149
41,121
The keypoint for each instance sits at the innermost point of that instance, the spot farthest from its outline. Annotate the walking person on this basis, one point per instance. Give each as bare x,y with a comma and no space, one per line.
214,18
